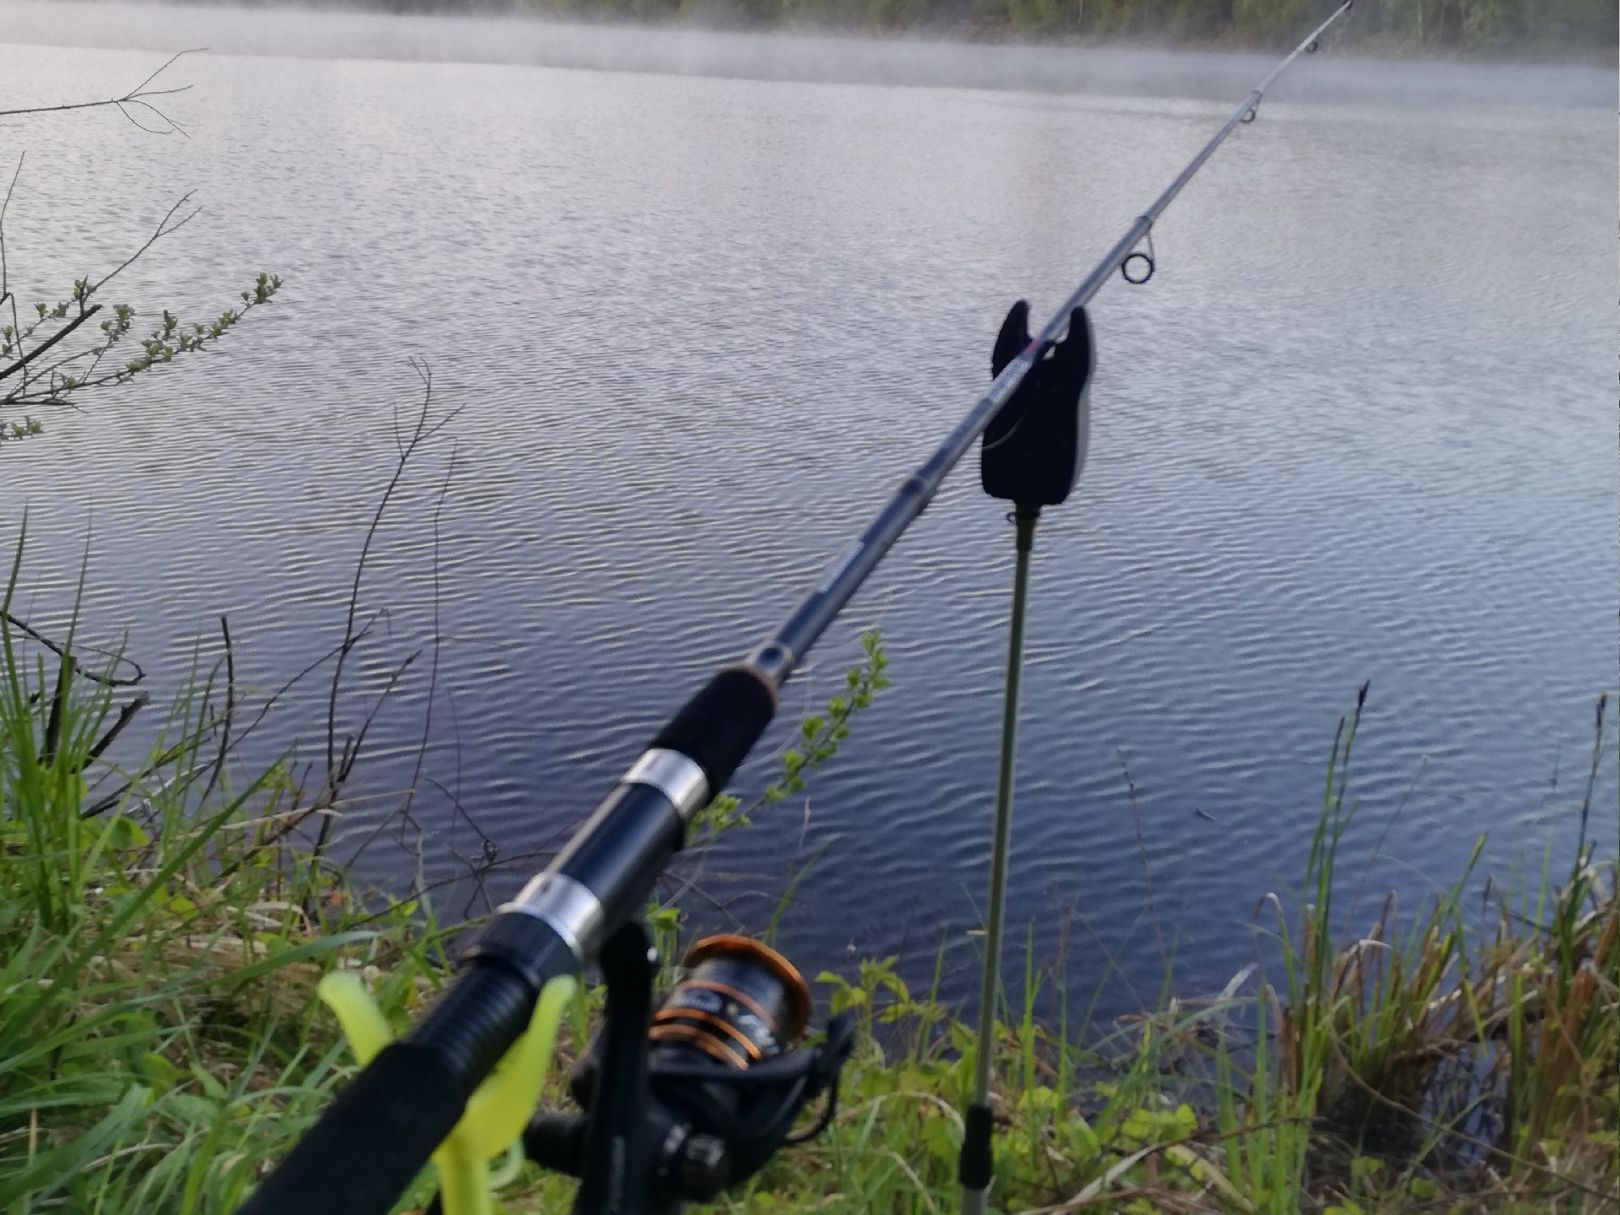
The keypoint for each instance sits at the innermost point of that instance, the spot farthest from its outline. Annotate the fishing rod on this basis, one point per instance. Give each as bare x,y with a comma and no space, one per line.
431,1093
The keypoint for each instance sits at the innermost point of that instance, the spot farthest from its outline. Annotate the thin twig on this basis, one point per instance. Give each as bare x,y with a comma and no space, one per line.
242,736
125,715
164,228
53,722
1591,781
421,434
56,337
106,681
438,639
5,282
230,710
56,394
1141,856
136,96
152,767
352,749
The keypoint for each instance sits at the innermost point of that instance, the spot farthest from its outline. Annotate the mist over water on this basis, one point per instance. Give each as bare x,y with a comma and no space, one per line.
704,303
1113,70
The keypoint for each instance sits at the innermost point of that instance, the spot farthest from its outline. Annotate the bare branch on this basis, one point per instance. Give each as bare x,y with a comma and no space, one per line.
49,383
123,108
104,679
270,703
164,228
140,90
125,715
5,281
230,710
50,341
419,435
136,96
327,801
438,636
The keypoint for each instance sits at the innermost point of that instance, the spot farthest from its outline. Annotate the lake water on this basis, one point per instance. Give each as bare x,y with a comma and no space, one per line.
700,316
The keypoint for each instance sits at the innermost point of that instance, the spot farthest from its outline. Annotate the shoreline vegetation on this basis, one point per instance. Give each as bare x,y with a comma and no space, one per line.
1498,31
1484,32
1511,30
161,1043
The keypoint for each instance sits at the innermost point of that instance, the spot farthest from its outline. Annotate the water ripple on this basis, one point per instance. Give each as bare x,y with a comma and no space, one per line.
1360,427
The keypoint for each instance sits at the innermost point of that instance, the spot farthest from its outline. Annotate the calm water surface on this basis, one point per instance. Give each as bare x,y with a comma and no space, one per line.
1360,427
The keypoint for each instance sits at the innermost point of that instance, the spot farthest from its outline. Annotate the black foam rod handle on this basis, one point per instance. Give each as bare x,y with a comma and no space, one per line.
719,726
371,1142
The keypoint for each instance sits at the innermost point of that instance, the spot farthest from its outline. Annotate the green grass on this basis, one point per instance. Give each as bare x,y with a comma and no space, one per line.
160,1042
158,1037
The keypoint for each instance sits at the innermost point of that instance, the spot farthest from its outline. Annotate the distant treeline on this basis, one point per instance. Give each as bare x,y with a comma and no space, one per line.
1481,25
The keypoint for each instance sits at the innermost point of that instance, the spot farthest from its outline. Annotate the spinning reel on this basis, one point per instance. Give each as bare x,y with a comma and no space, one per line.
696,1096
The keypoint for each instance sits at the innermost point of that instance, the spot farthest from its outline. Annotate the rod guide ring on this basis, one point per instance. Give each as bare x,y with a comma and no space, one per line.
1149,262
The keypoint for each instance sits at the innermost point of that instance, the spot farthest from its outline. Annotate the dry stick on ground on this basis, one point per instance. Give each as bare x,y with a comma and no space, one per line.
53,721
476,871
151,768
70,669
1096,1192
531,858
1591,781
238,737
66,671
137,98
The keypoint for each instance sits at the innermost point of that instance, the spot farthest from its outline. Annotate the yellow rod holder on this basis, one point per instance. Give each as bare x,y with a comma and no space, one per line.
496,1113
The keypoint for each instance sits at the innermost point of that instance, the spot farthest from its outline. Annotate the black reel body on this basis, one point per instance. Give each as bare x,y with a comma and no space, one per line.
719,1089
1034,449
